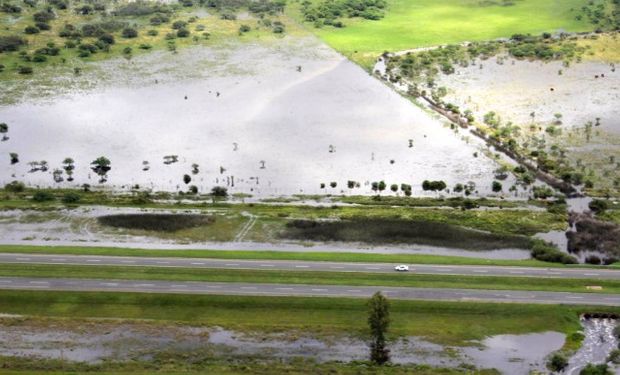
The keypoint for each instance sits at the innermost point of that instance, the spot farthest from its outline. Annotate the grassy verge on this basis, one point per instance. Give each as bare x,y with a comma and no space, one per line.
309,277
441,322
274,255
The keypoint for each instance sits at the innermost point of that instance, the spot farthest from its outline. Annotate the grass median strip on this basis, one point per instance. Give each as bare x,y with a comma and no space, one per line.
441,322
334,256
311,278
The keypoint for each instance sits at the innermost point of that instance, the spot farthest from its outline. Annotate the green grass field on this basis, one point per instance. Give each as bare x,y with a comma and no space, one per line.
418,23
309,277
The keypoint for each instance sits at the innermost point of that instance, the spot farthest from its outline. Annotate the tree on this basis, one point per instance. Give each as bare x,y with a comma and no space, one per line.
394,187
129,33
14,158
378,321
591,369
4,128
598,205
219,191
496,186
187,179
101,166
333,184
68,166
382,185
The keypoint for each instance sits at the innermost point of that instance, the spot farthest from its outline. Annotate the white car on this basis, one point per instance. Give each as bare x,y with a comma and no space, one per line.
401,268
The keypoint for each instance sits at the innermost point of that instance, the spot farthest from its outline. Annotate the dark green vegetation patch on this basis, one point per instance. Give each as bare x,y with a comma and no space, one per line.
156,222
400,231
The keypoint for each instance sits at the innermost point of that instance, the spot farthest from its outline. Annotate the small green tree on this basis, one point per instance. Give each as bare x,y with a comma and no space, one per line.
101,166
557,363
378,321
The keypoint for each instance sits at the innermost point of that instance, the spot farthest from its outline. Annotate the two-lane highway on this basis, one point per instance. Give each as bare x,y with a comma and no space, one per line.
251,289
292,265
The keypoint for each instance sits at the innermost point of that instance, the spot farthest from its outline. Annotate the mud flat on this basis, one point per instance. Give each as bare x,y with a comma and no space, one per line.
297,116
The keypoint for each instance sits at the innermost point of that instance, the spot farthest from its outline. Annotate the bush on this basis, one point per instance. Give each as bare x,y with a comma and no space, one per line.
44,17
71,197
183,33
598,205
244,28
557,363
42,26
107,38
9,43
546,252
177,25
129,32
591,369
43,196
15,187
24,70
31,30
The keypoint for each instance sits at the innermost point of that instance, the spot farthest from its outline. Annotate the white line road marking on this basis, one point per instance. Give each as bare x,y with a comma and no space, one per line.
39,282
128,261
143,285
353,290
109,284
232,264
93,260
23,258
373,268
6,281
58,259
319,290
481,271
248,287
517,272
336,268
284,288
591,274
301,266
178,286
198,263
267,265
162,262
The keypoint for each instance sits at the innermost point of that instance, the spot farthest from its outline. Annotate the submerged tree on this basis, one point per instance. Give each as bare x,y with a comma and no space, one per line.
14,158
101,166
379,321
4,128
68,166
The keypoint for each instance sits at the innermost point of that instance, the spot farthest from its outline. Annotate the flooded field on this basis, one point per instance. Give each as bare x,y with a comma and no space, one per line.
568,111
99,341
298,116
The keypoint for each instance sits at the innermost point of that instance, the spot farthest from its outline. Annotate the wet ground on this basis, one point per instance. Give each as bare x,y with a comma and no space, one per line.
80,227
266,119
94,342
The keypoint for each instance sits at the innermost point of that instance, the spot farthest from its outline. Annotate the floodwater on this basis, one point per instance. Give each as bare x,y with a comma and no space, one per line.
108,341
516,88
599,341
79,227
266,119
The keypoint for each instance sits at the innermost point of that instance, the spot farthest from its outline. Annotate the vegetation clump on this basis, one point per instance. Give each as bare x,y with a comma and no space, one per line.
331,12
155,222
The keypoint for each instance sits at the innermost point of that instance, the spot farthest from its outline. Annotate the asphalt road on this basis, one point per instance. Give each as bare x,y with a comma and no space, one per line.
572,273
177,287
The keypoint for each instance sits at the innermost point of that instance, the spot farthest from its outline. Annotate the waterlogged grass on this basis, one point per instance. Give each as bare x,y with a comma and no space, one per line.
326,256
308,277
440,322
610,215
178,365
419,23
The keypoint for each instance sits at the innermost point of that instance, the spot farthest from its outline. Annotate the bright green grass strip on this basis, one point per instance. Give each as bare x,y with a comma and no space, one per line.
274,255
441,322
418,23
308,277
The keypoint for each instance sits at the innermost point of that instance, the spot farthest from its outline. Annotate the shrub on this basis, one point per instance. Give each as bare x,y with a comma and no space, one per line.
591,369
9,43
71,197
244,28
598,205
546,252
15,187
42,26
177,25
557,363
31,30
182,33
129,32
24,70
107,38
43,16
39,58
42,196
496,186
